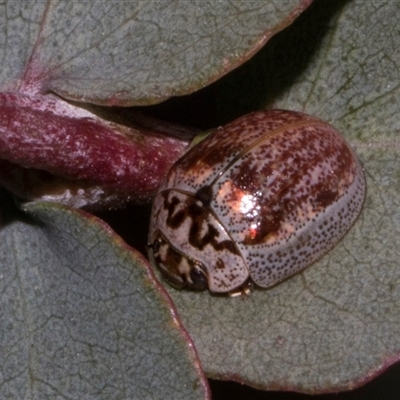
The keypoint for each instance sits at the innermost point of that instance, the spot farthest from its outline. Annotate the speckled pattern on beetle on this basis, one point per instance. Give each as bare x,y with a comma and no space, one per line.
260,199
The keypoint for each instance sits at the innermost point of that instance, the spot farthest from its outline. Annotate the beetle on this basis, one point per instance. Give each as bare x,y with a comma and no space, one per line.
258,200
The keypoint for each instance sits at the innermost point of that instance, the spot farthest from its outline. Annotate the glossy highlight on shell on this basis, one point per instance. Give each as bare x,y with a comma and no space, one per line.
260,199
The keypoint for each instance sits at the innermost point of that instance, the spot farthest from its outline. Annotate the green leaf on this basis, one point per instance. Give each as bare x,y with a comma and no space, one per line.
132,52
111,53
334,326
81,317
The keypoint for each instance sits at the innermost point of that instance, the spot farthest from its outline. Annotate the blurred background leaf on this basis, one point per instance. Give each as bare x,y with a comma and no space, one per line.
132,52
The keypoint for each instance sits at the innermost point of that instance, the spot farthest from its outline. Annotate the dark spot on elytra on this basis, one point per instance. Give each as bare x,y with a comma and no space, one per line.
325,198
205,194
247,177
